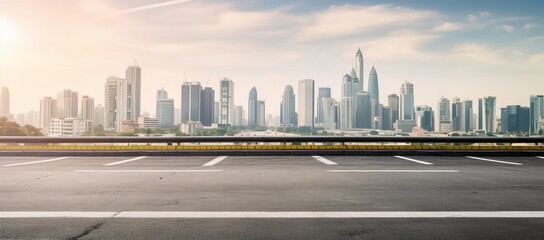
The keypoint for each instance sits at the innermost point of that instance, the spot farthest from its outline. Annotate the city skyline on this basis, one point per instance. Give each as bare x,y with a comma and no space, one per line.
433,46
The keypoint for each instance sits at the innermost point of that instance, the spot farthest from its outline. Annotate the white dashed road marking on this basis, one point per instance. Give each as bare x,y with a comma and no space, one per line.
125,161
34,162
414,160
324,160
491,160
215,161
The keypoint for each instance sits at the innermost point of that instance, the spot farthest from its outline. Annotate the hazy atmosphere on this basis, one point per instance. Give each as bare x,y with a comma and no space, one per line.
445,48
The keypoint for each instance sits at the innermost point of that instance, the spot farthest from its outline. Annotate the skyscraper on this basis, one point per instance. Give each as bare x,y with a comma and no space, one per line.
443,120
374,93
329,113
515,119
164,109
48,111
425,118
67,104
456,109
306,103
287,107
324,92
98,119
347,113
134,83
347,106
110,103
407,101
207,106
355,82
190,101
238,116
261,114
122,99
393,104
467,115
252,108
536,114
226,99
489,114
87,108
4,103
407,120
364,115
358,66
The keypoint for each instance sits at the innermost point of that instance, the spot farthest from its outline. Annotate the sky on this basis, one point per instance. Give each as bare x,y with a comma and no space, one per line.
465,49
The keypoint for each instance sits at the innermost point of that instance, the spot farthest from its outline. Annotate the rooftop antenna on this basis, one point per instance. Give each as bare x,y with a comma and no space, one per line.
185,76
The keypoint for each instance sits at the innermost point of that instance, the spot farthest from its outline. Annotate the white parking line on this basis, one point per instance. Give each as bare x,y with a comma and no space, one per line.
324,160
215,161
491,160
414,160
540,157
124,161
146,171
286,215
393,171
34,162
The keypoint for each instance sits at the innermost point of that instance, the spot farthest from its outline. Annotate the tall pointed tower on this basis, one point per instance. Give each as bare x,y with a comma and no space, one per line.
358,66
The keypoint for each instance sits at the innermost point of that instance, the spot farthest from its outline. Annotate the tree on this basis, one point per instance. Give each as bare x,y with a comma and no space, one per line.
30,130
541,132
8,128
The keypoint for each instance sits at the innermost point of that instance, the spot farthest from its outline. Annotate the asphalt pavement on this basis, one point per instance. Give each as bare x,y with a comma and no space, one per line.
272,197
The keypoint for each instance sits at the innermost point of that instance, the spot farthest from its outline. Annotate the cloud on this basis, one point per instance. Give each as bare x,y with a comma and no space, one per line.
401,44
507,28
477,52
473,18
340,21
447,27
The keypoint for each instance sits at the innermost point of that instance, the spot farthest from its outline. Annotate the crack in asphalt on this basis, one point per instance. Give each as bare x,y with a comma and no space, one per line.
88,231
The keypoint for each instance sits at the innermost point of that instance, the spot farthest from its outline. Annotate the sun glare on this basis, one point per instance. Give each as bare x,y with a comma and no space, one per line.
8,33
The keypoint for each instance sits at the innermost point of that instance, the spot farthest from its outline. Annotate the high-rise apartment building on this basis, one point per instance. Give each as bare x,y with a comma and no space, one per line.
238,116
456,110
536,114
425,118
287,107
330,107
443,120
207,108
48,111
515,119
87,108
306,103
164,109
324,92
347,113
98,118
133,90
226,99
252,108
467,114
190,101
363,111
4,103
122,99
67,104
347,106
393,104
406,104
261,114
